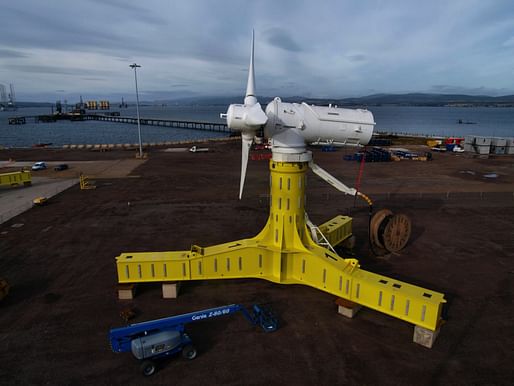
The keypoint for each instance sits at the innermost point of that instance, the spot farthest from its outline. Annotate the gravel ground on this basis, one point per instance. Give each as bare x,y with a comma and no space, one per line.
60,264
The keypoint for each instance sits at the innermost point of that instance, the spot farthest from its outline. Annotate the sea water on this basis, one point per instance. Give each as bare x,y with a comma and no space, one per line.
436,121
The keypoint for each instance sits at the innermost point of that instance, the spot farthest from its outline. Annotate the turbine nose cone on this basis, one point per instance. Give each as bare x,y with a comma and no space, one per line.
250,100
255,117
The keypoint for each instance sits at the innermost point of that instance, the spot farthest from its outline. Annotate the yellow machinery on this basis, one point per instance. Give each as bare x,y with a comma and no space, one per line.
284,252
23,177
40,201
92,105
85,184
290,249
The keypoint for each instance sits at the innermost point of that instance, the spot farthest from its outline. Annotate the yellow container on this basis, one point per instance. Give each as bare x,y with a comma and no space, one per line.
16,178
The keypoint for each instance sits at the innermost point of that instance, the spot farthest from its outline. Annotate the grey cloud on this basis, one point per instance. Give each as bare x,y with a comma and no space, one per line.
42,69
202,46
94,79
356,58
46,31
8,53
280,38
142,14
509,42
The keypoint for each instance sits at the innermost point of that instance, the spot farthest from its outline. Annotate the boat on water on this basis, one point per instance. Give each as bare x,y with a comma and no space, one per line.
462,122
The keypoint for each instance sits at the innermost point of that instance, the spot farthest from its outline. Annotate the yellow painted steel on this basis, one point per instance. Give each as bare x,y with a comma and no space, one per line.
23,177
85,184
283,252
337,229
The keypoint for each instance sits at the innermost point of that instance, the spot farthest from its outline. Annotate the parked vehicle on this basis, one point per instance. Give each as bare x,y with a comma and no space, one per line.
160,338
40,201
61,167
39,166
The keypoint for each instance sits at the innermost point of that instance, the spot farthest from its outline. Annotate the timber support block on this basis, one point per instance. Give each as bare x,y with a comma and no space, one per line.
425,337
170,290
347,308
126,291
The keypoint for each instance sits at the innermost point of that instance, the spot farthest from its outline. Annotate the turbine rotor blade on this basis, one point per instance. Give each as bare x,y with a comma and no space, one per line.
246,143
250,98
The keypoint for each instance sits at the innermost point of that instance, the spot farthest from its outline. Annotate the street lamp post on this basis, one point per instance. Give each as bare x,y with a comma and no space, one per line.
135,66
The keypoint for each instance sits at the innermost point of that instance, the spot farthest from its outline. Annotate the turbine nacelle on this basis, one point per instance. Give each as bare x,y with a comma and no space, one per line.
290,126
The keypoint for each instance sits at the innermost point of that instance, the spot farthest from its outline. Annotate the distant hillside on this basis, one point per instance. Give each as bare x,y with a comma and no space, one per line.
420,99
414,99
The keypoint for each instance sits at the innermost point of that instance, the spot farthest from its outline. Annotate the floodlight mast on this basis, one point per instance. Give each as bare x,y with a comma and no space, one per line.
135,66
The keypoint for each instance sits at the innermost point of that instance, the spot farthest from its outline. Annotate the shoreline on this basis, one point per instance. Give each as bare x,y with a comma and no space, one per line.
395,138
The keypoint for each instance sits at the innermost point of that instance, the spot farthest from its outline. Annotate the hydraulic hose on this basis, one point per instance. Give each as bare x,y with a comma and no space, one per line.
370,203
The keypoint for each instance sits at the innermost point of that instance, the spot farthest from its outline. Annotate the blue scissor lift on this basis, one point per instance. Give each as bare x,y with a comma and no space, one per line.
160,338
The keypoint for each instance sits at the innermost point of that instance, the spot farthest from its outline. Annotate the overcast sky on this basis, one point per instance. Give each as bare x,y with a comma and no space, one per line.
56,49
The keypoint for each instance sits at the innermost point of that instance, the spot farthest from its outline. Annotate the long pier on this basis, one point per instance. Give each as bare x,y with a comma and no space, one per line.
206,126
191,125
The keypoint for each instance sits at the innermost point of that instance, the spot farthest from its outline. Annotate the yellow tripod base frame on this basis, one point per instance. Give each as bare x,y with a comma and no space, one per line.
284,252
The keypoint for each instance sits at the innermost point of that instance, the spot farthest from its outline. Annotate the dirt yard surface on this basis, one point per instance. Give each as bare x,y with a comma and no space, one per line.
49,182
103,168
14,201
59,260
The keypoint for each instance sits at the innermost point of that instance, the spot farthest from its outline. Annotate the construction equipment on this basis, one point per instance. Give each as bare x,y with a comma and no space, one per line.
40,201
85,184
154,339
23,177
284,251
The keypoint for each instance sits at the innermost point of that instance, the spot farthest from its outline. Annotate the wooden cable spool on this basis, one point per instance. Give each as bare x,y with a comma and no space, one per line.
390,231
376,221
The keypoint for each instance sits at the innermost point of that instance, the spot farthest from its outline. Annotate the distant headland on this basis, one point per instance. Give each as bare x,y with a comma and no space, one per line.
410,99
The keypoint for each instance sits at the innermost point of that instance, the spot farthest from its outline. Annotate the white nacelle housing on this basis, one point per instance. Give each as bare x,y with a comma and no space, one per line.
245,117
291,125
235,115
